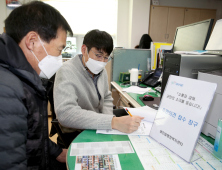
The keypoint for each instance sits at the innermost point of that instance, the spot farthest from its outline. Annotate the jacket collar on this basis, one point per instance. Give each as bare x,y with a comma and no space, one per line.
13,58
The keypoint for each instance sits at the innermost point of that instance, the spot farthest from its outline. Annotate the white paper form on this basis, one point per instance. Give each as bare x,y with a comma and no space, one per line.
155,156
97,162
208,160
136,89
144,129
101,148
148,113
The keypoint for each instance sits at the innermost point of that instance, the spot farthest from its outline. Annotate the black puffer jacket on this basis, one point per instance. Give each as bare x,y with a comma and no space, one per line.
24,142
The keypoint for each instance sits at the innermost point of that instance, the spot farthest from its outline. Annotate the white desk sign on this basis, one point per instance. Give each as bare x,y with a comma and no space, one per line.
184,105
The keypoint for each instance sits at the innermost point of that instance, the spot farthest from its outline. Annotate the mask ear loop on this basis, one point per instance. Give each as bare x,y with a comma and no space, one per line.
85,58
34,55
87,52
42,45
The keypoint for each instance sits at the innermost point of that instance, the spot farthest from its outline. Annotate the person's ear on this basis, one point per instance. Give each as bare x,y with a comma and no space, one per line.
31,40
84,50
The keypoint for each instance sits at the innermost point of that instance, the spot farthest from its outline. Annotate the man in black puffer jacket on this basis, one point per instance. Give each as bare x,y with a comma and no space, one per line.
31,48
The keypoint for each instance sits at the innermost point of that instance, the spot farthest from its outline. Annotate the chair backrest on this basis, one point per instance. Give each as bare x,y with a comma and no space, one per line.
49,84
61,135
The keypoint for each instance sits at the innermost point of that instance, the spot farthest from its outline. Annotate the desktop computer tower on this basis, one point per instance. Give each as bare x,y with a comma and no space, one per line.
187,65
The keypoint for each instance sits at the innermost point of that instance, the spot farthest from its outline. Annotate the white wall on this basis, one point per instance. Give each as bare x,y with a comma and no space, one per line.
123,23
4,12
133,16
140,20
2,15
132,22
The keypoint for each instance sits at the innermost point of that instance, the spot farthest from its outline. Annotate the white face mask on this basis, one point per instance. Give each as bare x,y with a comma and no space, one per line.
48,65
95,66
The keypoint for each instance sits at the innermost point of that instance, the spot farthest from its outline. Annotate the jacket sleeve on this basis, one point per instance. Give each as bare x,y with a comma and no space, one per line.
54,149
13,129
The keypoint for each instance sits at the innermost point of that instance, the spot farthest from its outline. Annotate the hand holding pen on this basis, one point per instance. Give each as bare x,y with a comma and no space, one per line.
129,112
127,124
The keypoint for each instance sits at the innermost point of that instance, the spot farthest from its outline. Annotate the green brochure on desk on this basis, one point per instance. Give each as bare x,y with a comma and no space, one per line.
184,106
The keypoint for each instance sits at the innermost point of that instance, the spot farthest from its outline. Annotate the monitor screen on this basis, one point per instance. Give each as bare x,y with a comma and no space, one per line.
193,36
214,42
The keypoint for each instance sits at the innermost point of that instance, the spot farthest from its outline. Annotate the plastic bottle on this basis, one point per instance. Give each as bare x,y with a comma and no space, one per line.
148,64
218,141
140,75
134,77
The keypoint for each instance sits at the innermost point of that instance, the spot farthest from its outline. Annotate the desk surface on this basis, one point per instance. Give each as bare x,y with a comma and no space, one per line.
127,161
133,98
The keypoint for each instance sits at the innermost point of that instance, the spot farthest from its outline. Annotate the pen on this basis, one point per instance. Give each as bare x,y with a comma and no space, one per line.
129,112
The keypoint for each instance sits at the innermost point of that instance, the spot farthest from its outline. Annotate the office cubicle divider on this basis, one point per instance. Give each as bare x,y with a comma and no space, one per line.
125,59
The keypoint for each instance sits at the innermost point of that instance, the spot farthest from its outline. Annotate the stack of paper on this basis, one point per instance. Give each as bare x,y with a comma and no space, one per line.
136,89
191,52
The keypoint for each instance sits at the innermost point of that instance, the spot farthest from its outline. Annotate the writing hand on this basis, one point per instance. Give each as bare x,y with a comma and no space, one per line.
126,124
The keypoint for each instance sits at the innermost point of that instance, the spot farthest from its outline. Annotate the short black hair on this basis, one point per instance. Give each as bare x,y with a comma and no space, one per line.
38,17
101,40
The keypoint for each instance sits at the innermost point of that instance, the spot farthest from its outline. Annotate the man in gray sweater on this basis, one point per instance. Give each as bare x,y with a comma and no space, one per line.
81,96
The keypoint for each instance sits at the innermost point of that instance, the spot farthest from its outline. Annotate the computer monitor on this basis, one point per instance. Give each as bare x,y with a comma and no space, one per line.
193,36
214,45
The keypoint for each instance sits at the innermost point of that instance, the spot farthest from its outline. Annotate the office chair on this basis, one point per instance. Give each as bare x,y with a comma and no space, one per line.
61,136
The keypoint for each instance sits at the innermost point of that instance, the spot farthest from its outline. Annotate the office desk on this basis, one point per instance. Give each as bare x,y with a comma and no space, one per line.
132,98
127,161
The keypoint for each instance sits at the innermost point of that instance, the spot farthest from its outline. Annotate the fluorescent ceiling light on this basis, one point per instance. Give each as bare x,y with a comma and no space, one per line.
14,4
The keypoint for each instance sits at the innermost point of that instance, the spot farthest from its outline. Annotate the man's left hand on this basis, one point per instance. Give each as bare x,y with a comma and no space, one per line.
62,157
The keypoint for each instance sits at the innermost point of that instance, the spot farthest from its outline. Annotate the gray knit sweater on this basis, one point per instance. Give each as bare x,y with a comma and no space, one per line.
77,105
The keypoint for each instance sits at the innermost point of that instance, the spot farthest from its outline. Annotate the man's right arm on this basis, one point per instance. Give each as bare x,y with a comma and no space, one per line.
13,130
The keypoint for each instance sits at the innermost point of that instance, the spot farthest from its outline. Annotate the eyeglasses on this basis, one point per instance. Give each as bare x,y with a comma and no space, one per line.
100,57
